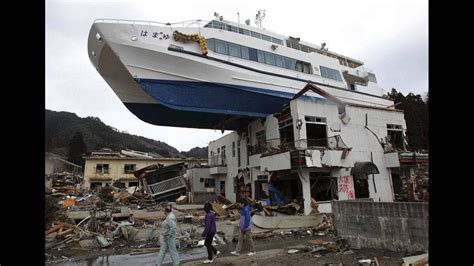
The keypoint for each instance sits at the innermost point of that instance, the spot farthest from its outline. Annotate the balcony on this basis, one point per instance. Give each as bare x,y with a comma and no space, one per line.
326,152
218,164
218,160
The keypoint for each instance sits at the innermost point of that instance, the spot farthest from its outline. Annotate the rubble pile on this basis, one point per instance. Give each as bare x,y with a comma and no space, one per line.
119,218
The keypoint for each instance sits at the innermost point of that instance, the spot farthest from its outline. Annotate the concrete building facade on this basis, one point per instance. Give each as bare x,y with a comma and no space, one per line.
312,149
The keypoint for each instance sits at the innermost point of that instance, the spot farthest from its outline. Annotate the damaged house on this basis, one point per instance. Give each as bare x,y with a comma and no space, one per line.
107,167
323,149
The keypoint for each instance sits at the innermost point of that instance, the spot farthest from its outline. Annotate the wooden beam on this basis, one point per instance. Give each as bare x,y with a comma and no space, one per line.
54,228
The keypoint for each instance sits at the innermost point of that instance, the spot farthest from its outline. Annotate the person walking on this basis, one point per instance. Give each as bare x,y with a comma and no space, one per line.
209,232
168,238
245,234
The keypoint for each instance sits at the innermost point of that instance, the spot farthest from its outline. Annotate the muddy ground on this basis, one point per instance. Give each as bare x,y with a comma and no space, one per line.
270,251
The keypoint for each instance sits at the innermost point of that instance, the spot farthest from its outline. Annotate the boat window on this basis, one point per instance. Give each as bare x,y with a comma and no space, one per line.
234,50
240,51
256,34
266,38
269,59
253,54
299,66
279,61
290,63
211,45
330,73
245,52
306,68
244,31
218,25
277,41
223,26
261,56
221,47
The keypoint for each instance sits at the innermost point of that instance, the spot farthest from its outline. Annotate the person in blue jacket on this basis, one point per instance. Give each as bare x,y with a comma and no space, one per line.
209,232
245,234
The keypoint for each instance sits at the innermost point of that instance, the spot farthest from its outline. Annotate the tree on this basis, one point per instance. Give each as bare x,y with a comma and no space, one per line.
77,148
415,109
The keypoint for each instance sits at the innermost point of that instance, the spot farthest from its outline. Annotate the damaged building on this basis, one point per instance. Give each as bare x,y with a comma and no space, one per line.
323,149
107,167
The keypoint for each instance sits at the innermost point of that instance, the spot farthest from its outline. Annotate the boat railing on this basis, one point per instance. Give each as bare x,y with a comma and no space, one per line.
188,23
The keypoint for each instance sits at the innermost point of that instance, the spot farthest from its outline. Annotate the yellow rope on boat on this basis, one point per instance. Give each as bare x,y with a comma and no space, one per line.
179,36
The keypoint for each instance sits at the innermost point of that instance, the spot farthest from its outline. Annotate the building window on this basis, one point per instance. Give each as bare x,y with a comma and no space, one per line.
286,131
323,187
223,158
238,153
395,136
96,184
130,168
133,184
316,133
201,180
261,142
209,182
233,148
330,73
102,168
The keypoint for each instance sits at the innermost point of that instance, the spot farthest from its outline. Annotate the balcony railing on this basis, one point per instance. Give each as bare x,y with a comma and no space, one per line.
272,145
218,160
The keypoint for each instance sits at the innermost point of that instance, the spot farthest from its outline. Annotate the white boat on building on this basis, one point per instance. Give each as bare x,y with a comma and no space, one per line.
218,74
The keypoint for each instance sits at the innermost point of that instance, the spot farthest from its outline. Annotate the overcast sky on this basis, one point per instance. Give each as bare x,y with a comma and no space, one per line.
390,37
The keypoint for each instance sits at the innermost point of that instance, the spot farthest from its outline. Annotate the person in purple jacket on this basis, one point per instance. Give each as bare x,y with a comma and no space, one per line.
245,233
209,232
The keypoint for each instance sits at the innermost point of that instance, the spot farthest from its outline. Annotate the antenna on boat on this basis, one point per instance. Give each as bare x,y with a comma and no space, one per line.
238,17
259,17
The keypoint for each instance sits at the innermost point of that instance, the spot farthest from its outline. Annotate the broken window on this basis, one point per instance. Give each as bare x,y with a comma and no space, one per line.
102,168
323,187
286,132
361,188
118,184
395,136
133,184
96,184
130,168
316,134
209,182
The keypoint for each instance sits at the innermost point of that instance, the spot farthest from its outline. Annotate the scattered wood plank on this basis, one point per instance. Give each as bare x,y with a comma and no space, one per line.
221,212
65,232
54,228
267,212
223,200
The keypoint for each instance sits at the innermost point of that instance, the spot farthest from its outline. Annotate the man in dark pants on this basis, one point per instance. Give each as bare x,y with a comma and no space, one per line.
209,232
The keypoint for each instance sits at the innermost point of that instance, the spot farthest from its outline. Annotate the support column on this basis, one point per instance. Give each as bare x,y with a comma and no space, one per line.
304,178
